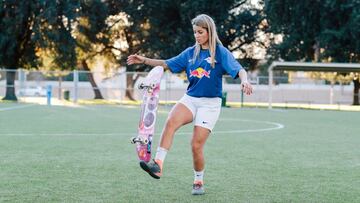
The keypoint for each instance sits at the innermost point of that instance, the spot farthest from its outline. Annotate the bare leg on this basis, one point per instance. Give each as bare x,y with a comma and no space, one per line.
180,115
199,138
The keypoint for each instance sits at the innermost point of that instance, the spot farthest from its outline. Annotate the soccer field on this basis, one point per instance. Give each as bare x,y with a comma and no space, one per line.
83,154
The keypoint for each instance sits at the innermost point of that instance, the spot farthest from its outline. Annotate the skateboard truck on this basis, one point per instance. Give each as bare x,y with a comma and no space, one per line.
139,140
149,87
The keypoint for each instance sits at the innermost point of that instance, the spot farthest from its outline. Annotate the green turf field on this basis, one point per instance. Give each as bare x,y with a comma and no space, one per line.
83,154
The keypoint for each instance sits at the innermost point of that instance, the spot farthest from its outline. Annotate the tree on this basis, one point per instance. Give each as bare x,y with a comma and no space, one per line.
29,26
124,18
89,39
324,31
341,31
70,33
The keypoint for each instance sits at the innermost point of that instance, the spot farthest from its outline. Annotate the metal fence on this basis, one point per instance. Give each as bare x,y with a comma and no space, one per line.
119,85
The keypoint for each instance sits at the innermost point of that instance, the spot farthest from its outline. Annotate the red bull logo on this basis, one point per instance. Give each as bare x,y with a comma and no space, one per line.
199,73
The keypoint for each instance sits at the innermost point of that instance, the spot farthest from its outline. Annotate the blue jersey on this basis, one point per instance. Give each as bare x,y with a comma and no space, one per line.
205,81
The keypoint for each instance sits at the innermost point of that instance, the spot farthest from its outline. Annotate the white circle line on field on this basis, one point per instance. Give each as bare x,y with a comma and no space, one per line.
275,126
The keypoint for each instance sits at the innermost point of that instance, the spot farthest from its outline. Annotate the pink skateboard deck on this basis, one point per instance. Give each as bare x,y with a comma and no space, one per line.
151,88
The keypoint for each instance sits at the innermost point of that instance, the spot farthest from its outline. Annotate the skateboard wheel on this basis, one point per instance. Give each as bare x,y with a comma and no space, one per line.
146,141
132,140
153,85
141,86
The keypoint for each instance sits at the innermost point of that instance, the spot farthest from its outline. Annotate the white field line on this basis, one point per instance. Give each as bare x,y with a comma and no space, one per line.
16,107
273,126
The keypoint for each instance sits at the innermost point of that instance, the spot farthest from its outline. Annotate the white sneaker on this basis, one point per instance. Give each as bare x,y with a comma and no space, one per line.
198,188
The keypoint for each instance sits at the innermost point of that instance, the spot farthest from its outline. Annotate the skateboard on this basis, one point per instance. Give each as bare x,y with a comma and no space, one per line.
150,88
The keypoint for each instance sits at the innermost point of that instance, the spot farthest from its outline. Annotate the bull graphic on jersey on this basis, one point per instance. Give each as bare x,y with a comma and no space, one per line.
200,72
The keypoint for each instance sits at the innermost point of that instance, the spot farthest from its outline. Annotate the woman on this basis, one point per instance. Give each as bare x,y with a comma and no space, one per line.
204,63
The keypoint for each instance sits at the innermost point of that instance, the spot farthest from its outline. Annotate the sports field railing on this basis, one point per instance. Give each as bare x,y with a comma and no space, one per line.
121,86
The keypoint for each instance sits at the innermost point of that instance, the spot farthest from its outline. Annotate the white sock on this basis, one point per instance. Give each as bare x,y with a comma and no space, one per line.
199,176
160,154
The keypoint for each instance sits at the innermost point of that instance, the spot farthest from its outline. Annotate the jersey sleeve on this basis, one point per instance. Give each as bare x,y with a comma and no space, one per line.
229,63
178,63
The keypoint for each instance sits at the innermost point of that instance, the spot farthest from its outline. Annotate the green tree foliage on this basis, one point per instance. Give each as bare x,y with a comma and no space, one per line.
340,22
164,27
309,26
299,25
27,27
125,26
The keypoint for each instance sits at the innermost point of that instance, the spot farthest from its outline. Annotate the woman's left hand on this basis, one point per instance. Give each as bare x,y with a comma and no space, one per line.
246,87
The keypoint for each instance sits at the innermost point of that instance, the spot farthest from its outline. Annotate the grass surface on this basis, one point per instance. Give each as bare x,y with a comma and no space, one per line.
83,154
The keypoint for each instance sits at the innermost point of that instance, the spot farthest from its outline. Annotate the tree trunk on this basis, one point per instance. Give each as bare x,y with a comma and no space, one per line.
10,85
23,37
316,51
92,81
129,93
356,91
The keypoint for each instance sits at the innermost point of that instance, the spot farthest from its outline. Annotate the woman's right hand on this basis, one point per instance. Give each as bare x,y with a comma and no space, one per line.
135,59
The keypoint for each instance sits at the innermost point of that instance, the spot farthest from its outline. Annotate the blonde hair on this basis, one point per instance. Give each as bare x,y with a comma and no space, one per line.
207,23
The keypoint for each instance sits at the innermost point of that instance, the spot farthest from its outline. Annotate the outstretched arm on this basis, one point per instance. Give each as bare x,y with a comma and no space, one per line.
137,59
245,85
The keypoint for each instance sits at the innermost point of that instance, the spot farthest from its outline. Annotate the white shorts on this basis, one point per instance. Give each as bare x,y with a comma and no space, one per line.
205,111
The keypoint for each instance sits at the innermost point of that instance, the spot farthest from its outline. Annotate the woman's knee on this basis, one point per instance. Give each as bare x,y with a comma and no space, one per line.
196,146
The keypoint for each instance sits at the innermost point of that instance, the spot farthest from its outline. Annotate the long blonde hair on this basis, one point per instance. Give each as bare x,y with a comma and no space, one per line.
207,23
